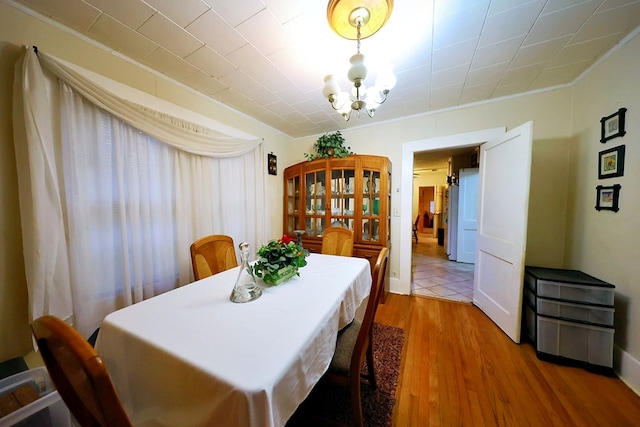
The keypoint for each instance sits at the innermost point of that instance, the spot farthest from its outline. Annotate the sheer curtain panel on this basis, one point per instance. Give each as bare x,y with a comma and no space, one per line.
108,211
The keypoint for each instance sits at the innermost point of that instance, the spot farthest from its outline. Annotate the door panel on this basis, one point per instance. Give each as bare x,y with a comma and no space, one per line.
503,197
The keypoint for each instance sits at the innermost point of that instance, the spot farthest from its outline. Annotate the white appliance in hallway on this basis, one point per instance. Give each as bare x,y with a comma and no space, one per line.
467,215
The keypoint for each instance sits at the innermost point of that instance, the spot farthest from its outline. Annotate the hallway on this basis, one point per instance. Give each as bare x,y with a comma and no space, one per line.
433,275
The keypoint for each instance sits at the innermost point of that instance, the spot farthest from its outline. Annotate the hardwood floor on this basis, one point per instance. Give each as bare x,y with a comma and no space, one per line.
459,369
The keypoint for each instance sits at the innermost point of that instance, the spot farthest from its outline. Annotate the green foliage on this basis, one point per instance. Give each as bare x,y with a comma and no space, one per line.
329,145
276,255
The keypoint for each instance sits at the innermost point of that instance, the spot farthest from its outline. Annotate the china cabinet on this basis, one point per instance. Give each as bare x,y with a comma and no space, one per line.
352,192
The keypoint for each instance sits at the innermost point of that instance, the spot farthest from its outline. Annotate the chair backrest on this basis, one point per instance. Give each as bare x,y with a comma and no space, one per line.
415,224
79,374
337,241
366,330
212,254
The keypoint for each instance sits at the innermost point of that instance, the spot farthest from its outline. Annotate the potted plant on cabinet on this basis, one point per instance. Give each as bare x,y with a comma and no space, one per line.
329,145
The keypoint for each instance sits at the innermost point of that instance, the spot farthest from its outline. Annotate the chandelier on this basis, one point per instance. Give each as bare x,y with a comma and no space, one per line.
356,20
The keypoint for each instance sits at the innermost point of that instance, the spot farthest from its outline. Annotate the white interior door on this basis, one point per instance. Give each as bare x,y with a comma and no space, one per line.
505,172
467,215
452,229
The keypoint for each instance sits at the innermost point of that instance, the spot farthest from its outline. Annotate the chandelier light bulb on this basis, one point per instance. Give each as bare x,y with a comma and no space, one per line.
358,70
369,17
330,86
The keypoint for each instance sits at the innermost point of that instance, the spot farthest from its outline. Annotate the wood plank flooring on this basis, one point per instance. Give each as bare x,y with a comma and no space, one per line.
459,369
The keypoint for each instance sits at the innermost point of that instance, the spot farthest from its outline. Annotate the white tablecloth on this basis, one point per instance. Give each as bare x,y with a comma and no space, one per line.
191,357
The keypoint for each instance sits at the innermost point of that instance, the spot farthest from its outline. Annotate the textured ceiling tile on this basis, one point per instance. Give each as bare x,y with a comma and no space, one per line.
581,52
522,74
509,24
449,77
611,21
458,27
216,33
210,62
121,38
558,76
170,35
561,23
477,93
75,13
204,83
496,53
454,55
169,63
255,28
181,12
259,67
130,13
236,11
248,87
487,74
539,52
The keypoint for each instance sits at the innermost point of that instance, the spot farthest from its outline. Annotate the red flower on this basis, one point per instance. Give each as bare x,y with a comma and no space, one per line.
286,239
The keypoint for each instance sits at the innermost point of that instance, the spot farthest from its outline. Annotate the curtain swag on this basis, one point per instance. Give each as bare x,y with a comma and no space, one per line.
179,133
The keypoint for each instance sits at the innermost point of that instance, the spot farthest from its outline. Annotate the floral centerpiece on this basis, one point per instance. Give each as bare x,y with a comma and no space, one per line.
279,260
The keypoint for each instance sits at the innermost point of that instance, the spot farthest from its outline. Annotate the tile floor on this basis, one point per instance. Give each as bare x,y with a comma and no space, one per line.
433,275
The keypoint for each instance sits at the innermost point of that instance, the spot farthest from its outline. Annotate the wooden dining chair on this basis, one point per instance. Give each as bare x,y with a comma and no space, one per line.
337,241
212,254
79,374
355,345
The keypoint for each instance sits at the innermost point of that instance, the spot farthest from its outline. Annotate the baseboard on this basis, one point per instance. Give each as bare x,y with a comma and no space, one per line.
627,368
394,286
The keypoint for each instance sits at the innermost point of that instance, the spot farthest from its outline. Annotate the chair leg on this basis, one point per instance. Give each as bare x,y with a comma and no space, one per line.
370,366
356,401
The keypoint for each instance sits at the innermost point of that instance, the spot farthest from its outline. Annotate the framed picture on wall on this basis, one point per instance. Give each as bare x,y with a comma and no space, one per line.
607,197
272,164
612,126
611,163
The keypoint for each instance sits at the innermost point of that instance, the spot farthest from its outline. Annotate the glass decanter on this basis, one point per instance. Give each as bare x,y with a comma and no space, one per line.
299,234
246,289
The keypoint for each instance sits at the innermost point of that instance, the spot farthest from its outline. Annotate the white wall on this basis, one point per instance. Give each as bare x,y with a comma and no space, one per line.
606,244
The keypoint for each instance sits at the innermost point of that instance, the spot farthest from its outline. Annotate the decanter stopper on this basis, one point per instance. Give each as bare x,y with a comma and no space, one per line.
246,289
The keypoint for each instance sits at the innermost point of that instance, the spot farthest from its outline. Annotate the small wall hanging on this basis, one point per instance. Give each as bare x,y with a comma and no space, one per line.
611,163
272,164
612,126
607,197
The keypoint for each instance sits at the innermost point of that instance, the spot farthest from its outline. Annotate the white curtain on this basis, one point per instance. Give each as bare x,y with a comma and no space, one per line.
108,212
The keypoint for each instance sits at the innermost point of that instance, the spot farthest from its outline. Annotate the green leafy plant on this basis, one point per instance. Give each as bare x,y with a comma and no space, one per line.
277,255
329,145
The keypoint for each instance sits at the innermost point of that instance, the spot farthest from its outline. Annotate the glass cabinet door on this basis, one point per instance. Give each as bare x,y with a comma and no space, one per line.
342,199
315,200
371,205
293,204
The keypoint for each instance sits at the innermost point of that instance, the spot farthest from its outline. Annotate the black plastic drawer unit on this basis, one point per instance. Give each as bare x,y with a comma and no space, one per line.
569,317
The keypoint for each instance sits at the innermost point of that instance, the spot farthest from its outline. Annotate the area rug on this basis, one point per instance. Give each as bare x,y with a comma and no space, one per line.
331,405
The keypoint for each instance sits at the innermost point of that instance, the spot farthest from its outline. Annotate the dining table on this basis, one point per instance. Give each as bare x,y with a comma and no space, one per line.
192,357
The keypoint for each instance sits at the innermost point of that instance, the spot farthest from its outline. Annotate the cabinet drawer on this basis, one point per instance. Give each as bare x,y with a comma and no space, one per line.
602,316
573,292
576,341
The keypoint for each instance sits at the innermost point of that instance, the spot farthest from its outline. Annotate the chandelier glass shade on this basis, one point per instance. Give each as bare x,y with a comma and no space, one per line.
355,20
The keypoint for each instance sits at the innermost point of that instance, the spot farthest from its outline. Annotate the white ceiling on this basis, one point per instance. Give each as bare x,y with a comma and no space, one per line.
268,58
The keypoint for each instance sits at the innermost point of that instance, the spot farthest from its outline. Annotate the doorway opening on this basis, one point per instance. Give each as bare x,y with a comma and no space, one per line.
434,272
401,267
